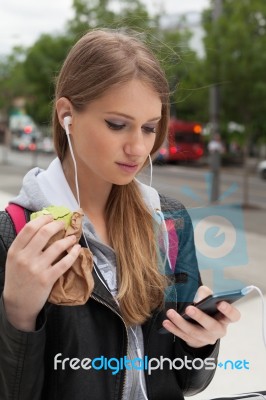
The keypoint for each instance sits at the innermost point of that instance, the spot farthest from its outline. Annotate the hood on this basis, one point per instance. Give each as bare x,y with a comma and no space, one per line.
42,188
30,195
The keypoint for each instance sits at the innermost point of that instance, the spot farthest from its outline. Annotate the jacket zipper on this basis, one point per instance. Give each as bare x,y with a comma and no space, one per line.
112,309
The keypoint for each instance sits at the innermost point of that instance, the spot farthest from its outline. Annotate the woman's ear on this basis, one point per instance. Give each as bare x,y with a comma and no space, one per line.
63,109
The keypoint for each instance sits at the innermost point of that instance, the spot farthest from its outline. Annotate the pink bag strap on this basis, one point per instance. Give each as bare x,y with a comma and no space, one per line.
173,241
17,214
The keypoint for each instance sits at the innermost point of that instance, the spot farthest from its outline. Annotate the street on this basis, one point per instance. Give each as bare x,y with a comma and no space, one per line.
190,186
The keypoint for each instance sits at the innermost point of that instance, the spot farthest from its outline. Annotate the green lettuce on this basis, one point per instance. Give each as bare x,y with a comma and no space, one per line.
58,213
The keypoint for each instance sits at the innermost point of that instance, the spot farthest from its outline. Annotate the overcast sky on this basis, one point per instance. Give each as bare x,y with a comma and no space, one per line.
22,21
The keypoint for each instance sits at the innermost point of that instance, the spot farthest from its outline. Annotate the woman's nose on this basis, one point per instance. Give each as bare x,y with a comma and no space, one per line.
135,145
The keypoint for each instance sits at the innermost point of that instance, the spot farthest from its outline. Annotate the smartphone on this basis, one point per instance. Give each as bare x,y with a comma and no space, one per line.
209,304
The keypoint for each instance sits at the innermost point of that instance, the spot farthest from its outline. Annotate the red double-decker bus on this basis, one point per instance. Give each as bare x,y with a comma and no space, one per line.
184,142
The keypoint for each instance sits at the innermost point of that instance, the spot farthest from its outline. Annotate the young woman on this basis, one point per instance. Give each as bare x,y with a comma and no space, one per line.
111,115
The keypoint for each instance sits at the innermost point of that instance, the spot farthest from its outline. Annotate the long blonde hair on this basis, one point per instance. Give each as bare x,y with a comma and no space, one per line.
98,61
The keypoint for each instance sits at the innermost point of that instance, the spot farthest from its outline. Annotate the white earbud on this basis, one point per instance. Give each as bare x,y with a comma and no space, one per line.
67,122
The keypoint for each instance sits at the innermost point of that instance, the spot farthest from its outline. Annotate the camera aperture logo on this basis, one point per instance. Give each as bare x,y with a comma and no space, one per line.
219,236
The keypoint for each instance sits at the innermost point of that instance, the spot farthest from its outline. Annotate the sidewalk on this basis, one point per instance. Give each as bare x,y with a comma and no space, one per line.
244,342
4,199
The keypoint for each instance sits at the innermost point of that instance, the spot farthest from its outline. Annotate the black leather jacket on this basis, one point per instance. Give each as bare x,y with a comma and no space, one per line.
97,329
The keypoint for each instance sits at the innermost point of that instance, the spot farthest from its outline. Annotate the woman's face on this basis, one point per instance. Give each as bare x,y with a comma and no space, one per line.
113,137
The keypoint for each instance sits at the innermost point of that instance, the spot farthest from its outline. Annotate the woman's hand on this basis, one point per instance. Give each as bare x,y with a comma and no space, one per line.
31,272
208,330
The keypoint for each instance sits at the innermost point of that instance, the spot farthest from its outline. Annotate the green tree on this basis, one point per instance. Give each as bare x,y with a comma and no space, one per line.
13,82
89,14
41,66
236,46
235,59
190,99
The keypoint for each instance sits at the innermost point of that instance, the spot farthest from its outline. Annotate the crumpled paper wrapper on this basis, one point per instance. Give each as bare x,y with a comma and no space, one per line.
75,286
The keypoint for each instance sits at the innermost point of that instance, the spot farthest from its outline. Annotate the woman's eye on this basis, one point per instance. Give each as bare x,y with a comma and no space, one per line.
149,129
114,126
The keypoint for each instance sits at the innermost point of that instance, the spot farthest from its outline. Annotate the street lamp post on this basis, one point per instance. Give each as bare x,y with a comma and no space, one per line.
215,156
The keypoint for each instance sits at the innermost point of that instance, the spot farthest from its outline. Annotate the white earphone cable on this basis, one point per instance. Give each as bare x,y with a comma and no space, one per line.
165,237
140,356
74,162
151,169
244,395
247,290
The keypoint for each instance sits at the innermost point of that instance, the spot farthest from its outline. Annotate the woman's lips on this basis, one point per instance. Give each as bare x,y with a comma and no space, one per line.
128,167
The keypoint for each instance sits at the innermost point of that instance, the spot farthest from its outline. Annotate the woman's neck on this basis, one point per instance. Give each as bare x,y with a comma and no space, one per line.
93,192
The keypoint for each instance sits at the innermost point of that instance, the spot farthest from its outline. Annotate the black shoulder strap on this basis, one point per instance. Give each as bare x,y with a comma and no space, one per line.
7,229
7,235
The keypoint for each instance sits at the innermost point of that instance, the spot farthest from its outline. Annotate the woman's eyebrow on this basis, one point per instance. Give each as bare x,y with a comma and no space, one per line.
155,119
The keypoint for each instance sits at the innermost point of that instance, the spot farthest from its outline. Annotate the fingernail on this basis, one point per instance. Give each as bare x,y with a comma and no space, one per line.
170,313
222,306
190,311
196,298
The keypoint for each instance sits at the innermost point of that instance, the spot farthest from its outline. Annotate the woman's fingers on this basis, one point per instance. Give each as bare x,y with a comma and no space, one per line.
64,264
29,231
192,334
44,234
206,329
56,249
229,312
30,277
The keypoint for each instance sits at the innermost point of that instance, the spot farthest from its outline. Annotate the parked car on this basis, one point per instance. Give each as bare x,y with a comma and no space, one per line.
23,142
262,169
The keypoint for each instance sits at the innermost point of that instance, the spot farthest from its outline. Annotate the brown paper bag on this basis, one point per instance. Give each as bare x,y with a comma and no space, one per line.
75,286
